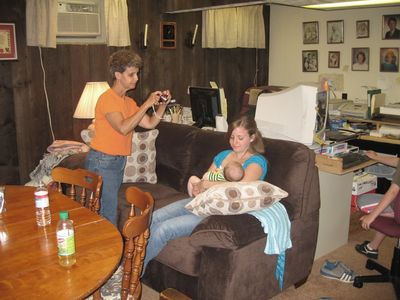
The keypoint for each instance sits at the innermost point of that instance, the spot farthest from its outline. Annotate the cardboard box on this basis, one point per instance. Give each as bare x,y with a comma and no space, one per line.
364,183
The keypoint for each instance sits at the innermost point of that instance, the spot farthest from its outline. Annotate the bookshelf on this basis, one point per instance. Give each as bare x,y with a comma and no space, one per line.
378,123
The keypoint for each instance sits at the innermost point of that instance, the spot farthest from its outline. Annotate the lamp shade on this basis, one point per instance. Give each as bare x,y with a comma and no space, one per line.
88,100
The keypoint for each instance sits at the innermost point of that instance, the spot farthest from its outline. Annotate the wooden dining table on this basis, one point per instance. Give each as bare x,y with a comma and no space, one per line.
29,267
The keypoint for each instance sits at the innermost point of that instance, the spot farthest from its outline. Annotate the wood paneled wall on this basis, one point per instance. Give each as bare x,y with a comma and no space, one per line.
24,120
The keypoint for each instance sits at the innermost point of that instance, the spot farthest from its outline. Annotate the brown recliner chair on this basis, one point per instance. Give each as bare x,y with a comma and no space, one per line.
390,227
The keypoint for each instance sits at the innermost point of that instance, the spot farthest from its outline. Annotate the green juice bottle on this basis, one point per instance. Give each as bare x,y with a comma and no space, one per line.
65,241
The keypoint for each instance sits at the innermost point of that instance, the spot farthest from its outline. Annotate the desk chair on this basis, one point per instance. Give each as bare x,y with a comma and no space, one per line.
136,233
82,183
390,227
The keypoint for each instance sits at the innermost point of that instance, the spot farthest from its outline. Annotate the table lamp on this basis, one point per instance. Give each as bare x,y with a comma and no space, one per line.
88,100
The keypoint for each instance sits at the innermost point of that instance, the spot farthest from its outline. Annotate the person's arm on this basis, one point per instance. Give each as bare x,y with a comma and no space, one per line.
150,122
124,126
388,198
387,160
252,173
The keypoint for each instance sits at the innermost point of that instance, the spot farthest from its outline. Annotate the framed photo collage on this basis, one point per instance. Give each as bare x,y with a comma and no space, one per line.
360,57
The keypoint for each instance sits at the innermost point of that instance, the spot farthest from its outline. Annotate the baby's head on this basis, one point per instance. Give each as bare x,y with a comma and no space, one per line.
233,171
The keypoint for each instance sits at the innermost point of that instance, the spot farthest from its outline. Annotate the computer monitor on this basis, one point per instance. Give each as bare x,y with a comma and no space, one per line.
289,114
206,105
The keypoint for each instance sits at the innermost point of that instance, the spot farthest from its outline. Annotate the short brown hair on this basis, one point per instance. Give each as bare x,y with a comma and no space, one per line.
122,59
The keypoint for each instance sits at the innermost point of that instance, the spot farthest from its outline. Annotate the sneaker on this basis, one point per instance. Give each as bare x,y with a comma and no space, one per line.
364,249
338,271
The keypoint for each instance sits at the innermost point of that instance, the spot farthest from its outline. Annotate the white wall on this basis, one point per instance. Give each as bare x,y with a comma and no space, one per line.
286,45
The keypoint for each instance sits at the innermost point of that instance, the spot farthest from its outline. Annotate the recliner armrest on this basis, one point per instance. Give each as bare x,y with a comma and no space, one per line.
74,161
230,232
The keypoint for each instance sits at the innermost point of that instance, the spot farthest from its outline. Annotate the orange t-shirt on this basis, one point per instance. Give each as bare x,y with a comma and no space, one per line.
107,139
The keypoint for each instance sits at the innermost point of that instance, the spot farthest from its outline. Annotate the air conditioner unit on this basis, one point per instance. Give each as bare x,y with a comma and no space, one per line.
79,18
81,22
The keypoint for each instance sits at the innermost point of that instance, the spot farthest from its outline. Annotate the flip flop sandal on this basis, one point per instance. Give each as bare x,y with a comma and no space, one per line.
337,271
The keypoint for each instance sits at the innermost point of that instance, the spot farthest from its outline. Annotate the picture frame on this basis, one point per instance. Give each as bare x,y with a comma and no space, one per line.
334,59
8,42
310,32
168,35
362,29
391,27
310,60
335,32
360,59
389,59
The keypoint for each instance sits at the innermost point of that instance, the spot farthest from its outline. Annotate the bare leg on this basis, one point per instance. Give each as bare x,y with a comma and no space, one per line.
376,241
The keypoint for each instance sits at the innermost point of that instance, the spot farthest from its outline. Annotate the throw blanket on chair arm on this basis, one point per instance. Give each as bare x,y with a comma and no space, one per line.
276,224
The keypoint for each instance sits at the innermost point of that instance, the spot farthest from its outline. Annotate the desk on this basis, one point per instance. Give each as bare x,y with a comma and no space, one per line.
28,253
334,214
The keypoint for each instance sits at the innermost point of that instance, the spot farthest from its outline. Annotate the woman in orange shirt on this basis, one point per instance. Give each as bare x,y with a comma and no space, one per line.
116,117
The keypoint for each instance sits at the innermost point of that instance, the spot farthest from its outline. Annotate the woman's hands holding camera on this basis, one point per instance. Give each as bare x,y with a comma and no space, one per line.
164,97
159,97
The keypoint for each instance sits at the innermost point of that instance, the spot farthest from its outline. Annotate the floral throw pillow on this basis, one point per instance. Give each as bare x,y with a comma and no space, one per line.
232,198
141,164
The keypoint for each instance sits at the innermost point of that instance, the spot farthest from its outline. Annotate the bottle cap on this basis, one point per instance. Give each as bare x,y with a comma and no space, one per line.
63,215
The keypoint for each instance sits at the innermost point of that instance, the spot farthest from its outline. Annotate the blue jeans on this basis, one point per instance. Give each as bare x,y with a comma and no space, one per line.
168,223
111,168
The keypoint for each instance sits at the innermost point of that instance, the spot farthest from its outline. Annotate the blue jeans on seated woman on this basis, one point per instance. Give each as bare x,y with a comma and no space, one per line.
111,168
168,223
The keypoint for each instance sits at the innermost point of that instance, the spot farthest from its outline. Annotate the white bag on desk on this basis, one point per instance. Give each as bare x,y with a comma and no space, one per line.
221,124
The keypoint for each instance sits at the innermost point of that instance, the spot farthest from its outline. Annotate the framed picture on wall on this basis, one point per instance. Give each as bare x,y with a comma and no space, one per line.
168,35
362,29
8,43
310,33
360,59
333,59
391,27
335,32
310,60
389,59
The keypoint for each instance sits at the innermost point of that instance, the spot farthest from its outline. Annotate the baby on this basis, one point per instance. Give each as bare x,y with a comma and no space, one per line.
233,171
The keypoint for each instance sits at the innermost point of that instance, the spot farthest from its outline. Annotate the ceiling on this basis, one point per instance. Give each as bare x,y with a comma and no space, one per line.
202,5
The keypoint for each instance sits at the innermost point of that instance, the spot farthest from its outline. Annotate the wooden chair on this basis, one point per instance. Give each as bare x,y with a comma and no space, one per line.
136,233
84,186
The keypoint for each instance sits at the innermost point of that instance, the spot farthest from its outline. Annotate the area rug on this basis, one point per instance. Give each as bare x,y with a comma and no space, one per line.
111,290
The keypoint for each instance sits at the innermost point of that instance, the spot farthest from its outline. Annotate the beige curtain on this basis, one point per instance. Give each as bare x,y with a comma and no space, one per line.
233,27
251,30
41,23
219,28
117,25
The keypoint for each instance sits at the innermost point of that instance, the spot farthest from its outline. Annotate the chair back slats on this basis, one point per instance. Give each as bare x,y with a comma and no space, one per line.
136,233
82,185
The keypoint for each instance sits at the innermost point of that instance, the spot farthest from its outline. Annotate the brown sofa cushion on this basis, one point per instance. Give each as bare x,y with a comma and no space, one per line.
161,193
74,161
181,256
231,232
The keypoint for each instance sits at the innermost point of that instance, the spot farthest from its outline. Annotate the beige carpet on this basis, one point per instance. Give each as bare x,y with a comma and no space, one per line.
318,287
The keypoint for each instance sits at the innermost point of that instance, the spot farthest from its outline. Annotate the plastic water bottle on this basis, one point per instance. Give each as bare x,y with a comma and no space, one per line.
65,241
43,215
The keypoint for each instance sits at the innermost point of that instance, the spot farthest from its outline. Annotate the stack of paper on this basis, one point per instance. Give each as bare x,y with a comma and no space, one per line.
388,130
390,109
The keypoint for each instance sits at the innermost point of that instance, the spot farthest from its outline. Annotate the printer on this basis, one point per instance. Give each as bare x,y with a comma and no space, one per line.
356,110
